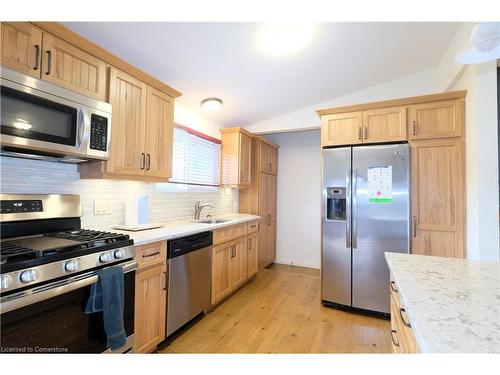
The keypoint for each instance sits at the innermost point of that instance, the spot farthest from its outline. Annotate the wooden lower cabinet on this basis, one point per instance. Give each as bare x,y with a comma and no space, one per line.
235,260
252,254
150,295
402,337
150,308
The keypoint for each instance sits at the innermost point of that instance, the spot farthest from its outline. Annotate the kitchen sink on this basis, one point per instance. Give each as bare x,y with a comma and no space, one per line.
212,221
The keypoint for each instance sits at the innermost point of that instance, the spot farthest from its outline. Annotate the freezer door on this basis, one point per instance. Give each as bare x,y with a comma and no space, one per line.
381,213
336,249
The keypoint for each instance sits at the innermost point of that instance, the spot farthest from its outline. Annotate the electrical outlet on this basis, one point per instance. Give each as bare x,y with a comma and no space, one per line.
102,207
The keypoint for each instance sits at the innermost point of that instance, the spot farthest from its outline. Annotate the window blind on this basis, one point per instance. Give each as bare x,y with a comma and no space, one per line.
196,158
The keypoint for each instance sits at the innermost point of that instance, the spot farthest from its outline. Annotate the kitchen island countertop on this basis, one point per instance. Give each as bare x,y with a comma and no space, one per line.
453,304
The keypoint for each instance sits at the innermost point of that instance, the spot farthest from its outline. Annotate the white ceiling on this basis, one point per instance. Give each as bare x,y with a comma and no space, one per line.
224,60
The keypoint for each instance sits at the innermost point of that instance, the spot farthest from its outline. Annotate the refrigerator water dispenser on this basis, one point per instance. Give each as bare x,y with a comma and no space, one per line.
335,203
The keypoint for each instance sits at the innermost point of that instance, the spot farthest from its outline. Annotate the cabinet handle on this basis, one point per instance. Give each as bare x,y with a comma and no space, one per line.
366,132
394,332
143,160
414,127
148,162
37,57
165,282
151,255
405,322
359,133
393,287
270,167
414,226
49,62
269,219
250,243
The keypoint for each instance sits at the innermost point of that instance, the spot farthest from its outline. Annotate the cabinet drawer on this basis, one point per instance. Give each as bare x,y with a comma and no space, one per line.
253,227
152,254
229,233
402,337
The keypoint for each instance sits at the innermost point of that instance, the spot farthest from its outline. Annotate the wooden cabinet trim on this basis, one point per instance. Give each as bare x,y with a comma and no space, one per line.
450,95
86,45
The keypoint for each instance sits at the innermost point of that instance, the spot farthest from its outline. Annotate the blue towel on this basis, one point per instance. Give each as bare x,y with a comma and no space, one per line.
107,295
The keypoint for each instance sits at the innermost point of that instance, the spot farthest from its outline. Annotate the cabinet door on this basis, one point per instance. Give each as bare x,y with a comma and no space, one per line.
271,241
220,271
272,196
273,160
70,67
264,157
238,263
263,233
245,157
384,125
21,47
150,308
341,129
159,134
127,95
438,197
436,120
252,254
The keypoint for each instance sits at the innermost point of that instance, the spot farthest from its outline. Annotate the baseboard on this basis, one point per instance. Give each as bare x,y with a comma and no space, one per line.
298,262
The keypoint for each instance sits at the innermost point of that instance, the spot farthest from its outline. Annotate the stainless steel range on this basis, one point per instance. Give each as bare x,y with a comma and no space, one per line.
47,266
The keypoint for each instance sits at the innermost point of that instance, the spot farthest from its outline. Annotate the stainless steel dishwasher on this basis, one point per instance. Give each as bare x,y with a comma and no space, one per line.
189,279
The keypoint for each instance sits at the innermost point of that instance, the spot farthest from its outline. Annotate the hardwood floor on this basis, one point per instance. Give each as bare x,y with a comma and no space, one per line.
280,312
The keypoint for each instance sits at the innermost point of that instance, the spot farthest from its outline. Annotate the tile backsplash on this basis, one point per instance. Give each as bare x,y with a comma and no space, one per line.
23,176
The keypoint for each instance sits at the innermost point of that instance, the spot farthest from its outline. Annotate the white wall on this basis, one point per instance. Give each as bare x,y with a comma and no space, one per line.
419,83
299,200
193,120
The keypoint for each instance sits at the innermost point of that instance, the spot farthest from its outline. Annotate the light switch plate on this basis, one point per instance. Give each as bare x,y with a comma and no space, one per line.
102,207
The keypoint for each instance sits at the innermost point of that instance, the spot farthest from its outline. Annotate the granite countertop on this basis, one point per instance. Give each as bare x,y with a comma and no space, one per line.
453,304
175,229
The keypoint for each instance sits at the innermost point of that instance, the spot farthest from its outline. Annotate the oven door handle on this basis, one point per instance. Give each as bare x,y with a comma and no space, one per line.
43,292
82,128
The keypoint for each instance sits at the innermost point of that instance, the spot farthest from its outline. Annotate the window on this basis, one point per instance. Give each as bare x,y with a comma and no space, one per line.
196,158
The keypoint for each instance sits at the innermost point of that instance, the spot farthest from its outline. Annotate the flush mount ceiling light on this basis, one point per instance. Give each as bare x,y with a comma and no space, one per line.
483,44
284,39
211,104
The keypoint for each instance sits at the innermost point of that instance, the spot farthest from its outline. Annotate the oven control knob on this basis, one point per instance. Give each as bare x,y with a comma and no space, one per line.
107,257
5,281
71,266
29,276
120,253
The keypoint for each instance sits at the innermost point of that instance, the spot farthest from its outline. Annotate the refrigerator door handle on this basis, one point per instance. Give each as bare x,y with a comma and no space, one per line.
354,209
348,209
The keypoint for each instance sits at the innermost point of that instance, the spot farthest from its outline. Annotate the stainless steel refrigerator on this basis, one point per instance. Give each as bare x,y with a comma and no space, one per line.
366,209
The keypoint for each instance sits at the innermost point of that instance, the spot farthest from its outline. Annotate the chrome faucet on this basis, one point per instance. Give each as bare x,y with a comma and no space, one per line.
198,207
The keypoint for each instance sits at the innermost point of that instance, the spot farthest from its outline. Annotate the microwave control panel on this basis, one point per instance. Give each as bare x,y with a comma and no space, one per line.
98,132
20,206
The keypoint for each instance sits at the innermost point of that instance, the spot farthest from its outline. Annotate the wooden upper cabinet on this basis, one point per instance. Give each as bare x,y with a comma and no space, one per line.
150,308
21,47
442,119
438,197
66,65
159,134
236,157
341,129
268,157
128,97
384,125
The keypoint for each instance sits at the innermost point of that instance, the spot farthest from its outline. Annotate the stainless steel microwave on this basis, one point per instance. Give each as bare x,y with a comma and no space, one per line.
43,121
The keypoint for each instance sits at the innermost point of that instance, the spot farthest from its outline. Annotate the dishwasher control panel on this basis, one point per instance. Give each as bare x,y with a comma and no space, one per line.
184,245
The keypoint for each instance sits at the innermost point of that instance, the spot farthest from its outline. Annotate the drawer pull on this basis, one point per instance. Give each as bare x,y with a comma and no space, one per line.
393,333
151,255
166,281
393,287
405,322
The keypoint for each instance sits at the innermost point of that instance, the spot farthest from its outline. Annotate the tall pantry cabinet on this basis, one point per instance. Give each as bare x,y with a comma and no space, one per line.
261,197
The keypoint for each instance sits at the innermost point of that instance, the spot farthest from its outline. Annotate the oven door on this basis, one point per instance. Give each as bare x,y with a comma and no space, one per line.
51,319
